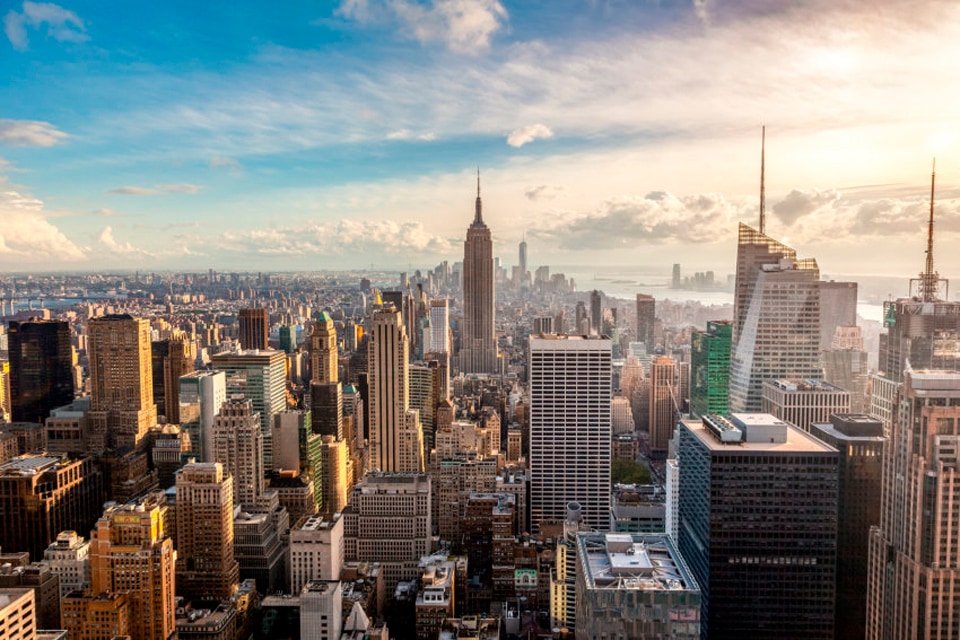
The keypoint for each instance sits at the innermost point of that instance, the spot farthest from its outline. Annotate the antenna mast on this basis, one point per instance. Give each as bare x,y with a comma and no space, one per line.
930,279
763,145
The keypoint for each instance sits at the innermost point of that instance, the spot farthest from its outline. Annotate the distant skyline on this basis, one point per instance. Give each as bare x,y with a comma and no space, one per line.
316,136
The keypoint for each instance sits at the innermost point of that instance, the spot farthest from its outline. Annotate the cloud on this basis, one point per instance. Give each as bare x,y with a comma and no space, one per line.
29,133
28,237
119,248
106,212
657,217
406,134
341,238
464,26
223,162
799,203
159,189
61,25
529,133
545,192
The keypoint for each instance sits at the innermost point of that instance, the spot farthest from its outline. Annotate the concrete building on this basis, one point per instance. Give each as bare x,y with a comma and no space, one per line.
478,339
570,379
914,563
18,616
634,586
170,359
259,551
803,402
238,446
121,382
201,395
337,473
389,521
321,610
637,509
860,441
758,526
665,403
254,328
435,600
646,321
89,616
316,551
69,558
206,566
40,496
131,554
773,290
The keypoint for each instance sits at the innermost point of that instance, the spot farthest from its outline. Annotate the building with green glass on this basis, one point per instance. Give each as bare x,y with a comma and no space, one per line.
710,368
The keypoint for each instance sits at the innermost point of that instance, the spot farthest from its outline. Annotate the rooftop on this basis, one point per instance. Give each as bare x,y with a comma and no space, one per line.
633,561
796,440
807,384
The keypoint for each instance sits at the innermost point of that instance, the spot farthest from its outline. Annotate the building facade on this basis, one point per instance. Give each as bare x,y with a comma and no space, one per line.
478,339
41,368
254,328
710,368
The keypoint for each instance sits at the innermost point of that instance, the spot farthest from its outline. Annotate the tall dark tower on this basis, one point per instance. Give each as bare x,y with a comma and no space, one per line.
478,344
596,312
254,328
41,378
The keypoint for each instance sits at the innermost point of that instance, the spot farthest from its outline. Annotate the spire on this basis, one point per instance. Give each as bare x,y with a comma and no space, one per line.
763,145
478,217
930,279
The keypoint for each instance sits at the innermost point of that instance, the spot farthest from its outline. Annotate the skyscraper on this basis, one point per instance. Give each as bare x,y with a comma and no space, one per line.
646,320
570,379
522,263
254,328
202,393
131,553
121,382
323,350
664,404
439,341
41,368
206,566
389,394
803,402
238,446
914,562
758,526
776,331
170,359
478,340
596,312
710,368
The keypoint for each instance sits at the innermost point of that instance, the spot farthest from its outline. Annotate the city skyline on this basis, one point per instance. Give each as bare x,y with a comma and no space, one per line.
323,136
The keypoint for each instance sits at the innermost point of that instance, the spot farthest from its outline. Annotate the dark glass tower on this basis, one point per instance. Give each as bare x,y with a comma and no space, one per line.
254,328
41,376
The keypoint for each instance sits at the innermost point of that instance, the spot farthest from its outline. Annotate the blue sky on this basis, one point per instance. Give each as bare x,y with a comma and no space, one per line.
319,135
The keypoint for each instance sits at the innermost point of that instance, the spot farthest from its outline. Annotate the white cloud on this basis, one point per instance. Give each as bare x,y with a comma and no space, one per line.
110,243
29,133
224,162
27,235
61,24
189,189
545,192
529,133
464,26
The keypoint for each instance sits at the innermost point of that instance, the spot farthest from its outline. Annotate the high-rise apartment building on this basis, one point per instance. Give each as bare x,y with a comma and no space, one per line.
860,441
18,614
439,335
335,480
665,404
803,402
776,330
206,566
838,308
389,521
570,379
710,368
121,382
40,496
88,616
171,359
41,368
238,446
201,395
478,339
131,554
646,321
914,562
254,328
758,526
389,395
645,570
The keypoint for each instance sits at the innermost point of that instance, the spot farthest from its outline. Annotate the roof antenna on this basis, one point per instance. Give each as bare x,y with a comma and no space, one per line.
763,144
478,218
930,279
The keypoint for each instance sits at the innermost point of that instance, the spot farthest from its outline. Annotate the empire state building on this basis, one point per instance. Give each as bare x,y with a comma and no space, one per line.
478,343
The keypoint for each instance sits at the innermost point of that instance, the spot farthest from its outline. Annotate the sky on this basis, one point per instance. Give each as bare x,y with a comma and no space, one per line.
326,135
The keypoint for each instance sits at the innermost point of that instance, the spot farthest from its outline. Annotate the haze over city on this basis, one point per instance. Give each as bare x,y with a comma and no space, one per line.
343,135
